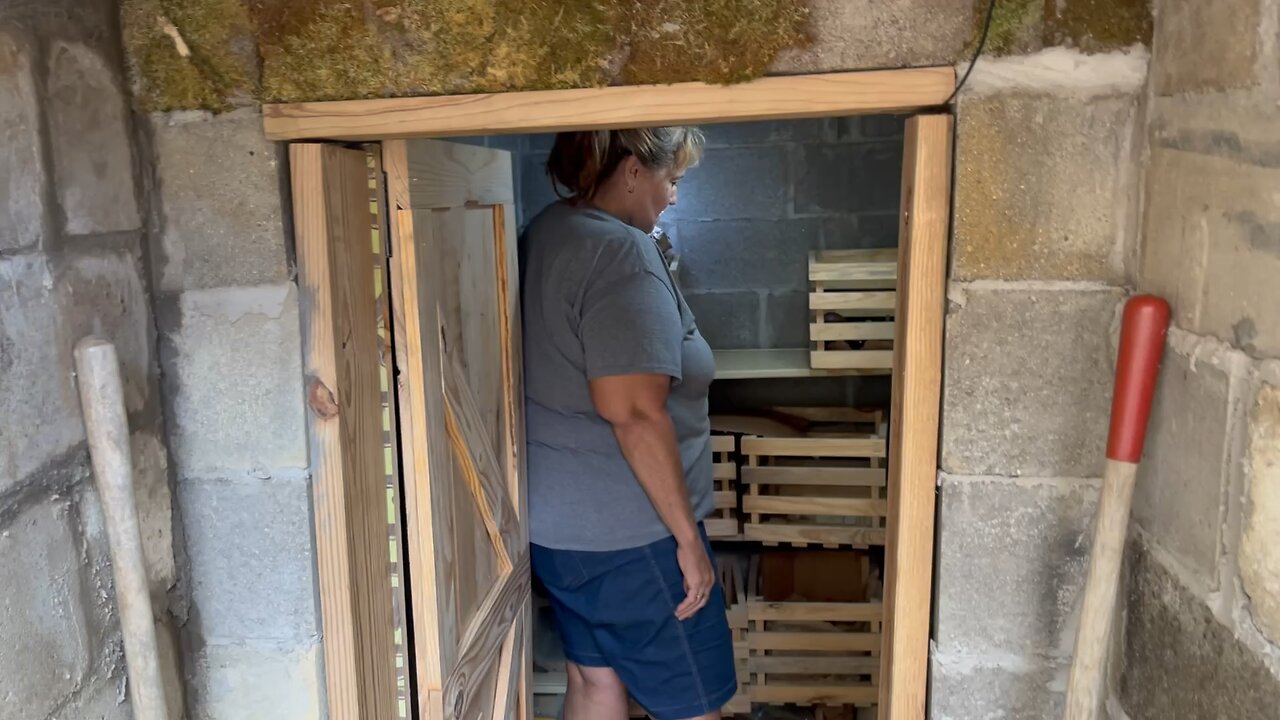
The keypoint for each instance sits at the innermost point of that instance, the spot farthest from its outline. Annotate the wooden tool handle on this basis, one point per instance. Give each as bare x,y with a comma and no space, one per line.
1142,333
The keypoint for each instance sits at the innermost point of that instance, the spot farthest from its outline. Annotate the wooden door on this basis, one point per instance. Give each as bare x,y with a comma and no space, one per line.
457,341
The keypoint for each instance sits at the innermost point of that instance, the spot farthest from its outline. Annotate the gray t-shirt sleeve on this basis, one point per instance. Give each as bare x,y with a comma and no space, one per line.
631,325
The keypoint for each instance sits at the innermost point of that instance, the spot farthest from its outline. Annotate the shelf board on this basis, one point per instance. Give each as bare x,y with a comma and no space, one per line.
763,364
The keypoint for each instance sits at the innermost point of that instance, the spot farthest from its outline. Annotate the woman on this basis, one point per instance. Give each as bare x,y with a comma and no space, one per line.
616,380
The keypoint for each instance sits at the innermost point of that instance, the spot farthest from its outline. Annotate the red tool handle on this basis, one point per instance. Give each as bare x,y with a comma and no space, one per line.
1142,332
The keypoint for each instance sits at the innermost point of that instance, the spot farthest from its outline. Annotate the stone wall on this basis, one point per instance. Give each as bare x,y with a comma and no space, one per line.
1202,629
72,263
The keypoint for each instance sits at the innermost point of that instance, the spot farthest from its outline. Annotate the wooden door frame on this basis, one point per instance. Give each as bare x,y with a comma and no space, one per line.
924,233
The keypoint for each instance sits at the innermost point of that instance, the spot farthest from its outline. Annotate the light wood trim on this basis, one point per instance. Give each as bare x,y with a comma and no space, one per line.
851,331
834,477
871,302
776,692
823,641
785,363
829,414
913,432
816,534
851,359
825,665
783,97
814,447
720,527
723,444
339,314
787,505
815,611
854,271
859,255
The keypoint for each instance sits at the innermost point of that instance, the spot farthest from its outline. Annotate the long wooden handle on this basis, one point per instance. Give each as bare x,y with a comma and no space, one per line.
1142,333
107,427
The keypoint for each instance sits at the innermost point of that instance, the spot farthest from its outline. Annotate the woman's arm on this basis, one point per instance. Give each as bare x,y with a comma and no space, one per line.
636,406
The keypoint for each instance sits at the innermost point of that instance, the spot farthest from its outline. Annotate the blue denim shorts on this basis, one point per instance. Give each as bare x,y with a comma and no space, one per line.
616,609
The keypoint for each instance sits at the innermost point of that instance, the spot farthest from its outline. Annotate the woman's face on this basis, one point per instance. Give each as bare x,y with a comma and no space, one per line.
654,191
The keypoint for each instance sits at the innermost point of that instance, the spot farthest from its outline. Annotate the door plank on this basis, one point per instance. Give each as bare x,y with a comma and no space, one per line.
485,636
914,410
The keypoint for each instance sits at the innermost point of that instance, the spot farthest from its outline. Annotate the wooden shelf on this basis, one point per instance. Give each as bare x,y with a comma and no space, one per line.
763,364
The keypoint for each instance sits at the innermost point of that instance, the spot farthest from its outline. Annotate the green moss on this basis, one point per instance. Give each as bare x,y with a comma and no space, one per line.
1016,25
330,49
1100,25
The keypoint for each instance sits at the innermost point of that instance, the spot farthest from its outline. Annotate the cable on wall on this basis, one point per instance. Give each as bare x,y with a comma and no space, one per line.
982,43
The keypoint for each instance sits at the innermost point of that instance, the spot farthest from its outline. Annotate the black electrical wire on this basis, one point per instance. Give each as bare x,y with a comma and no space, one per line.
982,43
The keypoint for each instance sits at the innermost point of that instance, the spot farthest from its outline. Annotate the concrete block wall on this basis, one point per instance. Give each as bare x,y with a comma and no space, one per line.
230,346
1046,207
1202,610
72,263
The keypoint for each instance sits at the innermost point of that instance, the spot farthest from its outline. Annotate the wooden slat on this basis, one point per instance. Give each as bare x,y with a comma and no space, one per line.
851,331
723,443
796,96
484,636
816,611
830,414
814,447
850,694
817,641
720,527
451,175
814,665
726,499
836,477
914,414
817,534
339,314
871,302
860,255
851,359
787,363
724,471
786,505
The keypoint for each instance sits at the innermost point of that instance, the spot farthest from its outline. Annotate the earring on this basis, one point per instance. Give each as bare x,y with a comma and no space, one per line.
631,188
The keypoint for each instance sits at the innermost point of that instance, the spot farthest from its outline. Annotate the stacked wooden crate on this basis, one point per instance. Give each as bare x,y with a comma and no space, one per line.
852,300
723,521
737,573
814,653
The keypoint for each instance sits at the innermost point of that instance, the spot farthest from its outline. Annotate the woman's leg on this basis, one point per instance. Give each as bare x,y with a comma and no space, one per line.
713,715
595,693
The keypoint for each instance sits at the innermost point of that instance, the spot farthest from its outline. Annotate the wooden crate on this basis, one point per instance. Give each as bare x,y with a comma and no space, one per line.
814,653
852,300
737,573
827,490
724,522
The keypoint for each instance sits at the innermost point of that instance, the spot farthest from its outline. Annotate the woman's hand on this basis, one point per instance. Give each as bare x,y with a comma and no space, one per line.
698,576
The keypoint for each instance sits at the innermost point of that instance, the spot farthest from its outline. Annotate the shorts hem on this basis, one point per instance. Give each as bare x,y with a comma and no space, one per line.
715,701
586,659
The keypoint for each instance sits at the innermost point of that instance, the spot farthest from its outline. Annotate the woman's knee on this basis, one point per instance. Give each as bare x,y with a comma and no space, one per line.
595,679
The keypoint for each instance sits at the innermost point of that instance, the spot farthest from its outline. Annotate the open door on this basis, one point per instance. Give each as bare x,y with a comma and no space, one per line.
457,340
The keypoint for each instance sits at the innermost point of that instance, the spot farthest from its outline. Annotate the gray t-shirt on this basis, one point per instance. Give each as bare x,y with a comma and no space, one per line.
598,300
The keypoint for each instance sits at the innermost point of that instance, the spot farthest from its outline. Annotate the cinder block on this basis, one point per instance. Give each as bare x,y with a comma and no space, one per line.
854,232
968,690
786,320
728,320
1012,558
234,682
1216,204
234,369
1068,223
766,132
92,147
42,619
737,255
106,698
1027,382
737,183
22,174
38,398
219,195
1179,661
1178,498
856,178
252,559
536,190
1259,559
849,36
1203,47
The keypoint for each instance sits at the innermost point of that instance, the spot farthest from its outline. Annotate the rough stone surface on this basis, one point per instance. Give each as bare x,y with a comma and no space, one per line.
235,370
42,627
734,255
37,393
252,563
964,691
1259,554
1212,238
1012,558
850,36
1179,495
1037,186
92,160
1201,46
762,178
1027,382
852,178
220,200
234,682
1180,662
106,699
22,173
728,320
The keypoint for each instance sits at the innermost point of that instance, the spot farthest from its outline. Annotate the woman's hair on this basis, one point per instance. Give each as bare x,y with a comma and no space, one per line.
580,162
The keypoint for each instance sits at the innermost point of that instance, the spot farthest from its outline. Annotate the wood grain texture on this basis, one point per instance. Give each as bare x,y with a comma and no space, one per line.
783,505
814,447
444,175
853,304
828,611
850,535
796,96
339,318
483,642
851,331
829,476
816,665
817,641
776,692
914,411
